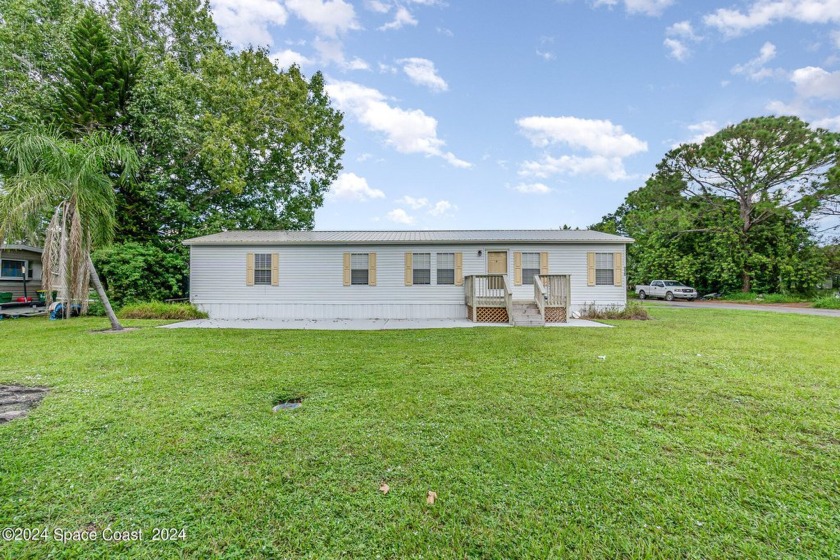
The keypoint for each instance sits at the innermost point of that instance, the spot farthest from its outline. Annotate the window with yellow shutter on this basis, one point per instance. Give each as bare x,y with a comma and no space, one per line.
604,269
530,267
359,271
262,269
446,268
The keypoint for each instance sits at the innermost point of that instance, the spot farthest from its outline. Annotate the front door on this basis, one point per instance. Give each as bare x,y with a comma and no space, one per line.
496,264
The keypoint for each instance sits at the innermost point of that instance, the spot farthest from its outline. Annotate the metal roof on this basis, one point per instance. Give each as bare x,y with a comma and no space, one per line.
14,247
551,236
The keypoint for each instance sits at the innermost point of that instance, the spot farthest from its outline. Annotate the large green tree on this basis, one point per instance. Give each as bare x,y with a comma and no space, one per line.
768,166
691,238
225,139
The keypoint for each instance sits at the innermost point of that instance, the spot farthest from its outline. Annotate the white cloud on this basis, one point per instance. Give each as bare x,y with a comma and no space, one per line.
441,207
610,167
332,52
600,137
647,7
606,143
400,216
532,188
377,6
287,57
407,131
830,123
682,29
814,82
414,203
677,39
699,132
546,55
755,68
330,17
761,13
350,186
402,17
677,48
245,22
422,72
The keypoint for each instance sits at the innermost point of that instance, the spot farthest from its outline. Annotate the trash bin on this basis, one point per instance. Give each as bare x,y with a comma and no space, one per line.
42,296
5,297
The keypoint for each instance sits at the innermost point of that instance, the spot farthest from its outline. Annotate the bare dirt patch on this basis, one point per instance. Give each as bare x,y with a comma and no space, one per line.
16,401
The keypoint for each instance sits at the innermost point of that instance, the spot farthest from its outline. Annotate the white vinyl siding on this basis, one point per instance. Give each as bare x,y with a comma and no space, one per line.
446,269
359,271
311,284
421,268
530,267
604,269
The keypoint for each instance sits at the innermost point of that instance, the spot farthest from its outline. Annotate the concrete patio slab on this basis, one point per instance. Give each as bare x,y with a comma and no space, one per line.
354,324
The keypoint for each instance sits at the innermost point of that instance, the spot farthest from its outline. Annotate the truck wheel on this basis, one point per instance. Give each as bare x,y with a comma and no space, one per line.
669,297
642,294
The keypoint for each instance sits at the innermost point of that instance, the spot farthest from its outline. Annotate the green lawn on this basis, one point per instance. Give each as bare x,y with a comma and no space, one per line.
703,434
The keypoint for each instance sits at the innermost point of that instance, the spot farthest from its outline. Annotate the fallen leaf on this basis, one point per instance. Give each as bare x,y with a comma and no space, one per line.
384,488
431,497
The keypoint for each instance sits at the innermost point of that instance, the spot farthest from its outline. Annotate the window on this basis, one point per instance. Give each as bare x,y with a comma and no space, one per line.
530,267
421,268
262,269
359,269
446,268
604,275
12,269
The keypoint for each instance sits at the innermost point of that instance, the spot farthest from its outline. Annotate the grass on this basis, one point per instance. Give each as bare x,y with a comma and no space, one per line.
633,311
828,302
704,433
161,310
751,297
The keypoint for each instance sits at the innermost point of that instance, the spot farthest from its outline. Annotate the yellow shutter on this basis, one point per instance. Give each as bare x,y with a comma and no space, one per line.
346,269
409,271
249,269
618,270
459,269
275,269
544,263
590,269
517,268
371,269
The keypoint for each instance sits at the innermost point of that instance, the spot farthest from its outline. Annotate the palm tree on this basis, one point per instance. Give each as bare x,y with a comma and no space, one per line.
65,184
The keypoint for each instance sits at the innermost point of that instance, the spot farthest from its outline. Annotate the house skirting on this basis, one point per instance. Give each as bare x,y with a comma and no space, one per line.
394,311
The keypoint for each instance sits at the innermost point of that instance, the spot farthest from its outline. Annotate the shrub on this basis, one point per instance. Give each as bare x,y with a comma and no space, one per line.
633,311
752,297
829,302
133,272
158,310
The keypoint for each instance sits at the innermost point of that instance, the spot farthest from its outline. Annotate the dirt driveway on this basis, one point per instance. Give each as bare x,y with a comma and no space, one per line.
774,307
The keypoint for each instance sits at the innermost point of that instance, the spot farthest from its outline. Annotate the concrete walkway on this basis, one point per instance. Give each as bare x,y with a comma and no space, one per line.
354,324
752,307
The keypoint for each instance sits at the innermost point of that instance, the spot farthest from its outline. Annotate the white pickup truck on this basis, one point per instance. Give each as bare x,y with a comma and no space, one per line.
667,289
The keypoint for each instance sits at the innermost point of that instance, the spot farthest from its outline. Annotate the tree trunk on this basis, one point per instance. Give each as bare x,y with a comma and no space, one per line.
745,281
103,297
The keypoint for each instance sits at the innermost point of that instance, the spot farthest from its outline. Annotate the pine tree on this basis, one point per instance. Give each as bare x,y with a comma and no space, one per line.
98,77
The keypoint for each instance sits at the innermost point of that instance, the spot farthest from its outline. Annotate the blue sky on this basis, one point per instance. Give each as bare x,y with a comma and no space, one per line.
535,113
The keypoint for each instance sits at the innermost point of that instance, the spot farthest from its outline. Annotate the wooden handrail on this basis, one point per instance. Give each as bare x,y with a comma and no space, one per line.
508,298
557,288
540,296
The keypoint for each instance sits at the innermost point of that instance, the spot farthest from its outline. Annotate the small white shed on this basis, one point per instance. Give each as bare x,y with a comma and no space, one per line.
515,276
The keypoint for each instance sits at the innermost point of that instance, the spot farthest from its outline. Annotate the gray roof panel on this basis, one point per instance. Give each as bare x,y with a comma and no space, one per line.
550,236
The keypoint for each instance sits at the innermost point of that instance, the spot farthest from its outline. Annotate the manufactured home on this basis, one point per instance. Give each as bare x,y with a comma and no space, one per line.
20,271
519,277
